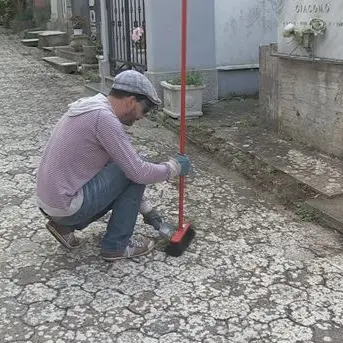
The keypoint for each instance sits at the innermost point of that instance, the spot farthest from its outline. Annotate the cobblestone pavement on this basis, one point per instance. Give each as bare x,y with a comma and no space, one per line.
253,274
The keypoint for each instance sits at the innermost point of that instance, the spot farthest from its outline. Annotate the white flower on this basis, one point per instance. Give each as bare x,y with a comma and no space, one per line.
289,27
137,34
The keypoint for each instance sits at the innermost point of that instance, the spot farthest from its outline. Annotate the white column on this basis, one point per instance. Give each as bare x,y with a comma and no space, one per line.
54,10
104,64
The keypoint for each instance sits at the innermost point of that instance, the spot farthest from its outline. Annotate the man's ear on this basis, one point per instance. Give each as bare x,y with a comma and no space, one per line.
131,101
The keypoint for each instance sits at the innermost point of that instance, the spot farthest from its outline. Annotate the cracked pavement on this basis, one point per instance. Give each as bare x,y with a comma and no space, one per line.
254,273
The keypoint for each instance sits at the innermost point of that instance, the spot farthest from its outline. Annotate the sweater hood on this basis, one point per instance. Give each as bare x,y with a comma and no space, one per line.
88,104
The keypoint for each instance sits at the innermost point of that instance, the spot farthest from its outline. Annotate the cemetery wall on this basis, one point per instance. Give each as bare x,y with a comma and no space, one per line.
303,99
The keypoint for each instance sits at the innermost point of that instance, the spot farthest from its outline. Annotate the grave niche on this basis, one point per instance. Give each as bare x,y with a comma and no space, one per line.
300,14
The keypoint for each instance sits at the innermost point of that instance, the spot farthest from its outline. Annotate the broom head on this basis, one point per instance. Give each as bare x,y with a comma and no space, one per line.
180,240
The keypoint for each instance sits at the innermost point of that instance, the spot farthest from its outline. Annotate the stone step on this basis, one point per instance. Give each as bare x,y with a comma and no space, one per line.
301,177
67,53
47,33
320,172
52,49
109,80
33,34
244,148
95,88
89,67
78,57
48,48
48,51
328,212
52,38
61,64
30,42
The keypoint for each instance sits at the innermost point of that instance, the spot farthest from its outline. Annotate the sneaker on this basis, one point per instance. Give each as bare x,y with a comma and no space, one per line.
64,235
136,247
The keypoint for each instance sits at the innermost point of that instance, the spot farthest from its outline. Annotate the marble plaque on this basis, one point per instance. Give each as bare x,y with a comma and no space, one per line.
299,13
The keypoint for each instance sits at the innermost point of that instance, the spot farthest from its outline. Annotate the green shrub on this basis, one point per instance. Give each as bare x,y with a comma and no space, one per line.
7,12
193,78
16,15
22,21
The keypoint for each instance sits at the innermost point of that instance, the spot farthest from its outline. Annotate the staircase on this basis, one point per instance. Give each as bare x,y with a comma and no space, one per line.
41,38
59,54
31,38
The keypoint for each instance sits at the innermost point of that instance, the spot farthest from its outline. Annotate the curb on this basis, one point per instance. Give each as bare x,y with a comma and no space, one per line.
284,187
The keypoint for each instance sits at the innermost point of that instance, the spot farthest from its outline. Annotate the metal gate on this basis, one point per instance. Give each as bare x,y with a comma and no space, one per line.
124,17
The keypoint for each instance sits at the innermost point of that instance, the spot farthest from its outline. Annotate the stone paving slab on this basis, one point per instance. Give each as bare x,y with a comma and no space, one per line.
253,273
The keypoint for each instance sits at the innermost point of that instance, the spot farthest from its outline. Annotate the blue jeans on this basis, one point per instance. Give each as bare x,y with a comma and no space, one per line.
109,190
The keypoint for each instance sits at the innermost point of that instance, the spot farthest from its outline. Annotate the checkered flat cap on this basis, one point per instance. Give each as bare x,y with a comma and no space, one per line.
134,82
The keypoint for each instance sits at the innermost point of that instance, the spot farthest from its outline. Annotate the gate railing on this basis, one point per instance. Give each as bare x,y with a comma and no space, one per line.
124,17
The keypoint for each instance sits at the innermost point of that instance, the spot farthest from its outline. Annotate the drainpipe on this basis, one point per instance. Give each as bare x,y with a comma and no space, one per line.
104,64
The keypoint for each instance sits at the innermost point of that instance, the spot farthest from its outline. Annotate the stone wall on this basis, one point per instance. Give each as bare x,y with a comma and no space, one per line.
240,28
269,86
303,98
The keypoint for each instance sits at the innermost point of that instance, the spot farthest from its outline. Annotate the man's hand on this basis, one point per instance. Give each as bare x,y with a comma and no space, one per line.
184,162
179,165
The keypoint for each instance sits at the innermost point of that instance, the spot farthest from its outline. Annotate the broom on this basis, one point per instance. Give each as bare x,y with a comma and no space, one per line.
183,236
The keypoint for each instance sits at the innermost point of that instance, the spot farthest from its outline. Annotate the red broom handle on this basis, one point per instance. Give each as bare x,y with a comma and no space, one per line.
183,103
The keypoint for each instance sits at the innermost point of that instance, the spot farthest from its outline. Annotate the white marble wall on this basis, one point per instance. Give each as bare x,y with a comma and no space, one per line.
300,12
240,28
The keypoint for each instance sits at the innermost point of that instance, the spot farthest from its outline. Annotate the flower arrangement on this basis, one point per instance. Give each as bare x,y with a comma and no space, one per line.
305,35
138,36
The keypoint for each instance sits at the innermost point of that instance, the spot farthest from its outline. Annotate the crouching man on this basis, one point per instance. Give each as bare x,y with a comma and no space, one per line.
89,168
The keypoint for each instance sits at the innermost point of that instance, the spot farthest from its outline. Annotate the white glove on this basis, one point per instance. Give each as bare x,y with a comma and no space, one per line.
174,167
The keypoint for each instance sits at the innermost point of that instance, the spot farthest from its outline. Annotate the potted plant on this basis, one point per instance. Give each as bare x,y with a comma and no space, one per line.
194,96
99,51
78,25
78,39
